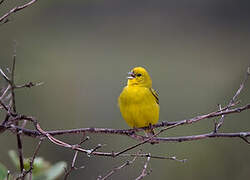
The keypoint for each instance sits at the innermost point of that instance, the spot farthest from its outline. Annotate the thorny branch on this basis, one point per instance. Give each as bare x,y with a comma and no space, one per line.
13,118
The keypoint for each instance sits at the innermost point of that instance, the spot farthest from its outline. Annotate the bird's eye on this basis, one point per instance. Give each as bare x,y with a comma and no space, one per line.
138,75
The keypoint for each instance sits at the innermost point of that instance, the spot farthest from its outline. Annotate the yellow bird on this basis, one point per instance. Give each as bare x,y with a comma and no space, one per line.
138,102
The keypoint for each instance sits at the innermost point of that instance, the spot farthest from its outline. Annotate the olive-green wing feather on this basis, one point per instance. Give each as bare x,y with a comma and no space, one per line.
155,94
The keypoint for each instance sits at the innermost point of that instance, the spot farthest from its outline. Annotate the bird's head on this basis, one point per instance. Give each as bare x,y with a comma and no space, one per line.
139,76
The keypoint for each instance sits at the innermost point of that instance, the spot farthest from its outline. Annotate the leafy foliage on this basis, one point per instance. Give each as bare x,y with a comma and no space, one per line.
42,169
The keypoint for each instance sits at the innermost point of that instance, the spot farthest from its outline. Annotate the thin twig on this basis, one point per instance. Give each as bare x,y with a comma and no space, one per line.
145,141
20,152
204,136
16,9
242,85
5,76
12,84
73,167
245,139
1,1
29,171
4,106
33,157
110,173
5,92
218,125
29,85
232,101
94,149
19,141
2,129
144,170
84,140
77,148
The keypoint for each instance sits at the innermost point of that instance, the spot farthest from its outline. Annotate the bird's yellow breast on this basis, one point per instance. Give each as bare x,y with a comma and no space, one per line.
138,106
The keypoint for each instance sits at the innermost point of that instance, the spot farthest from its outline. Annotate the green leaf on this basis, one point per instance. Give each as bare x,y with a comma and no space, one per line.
53,172
3,171
40,165
14,158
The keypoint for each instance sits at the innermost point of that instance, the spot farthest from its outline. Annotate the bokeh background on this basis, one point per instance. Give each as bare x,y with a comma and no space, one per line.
197,53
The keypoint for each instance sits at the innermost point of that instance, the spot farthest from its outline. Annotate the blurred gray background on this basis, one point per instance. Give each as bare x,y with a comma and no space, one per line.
197,53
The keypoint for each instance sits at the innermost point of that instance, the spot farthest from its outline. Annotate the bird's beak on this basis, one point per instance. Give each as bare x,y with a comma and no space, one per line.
131,75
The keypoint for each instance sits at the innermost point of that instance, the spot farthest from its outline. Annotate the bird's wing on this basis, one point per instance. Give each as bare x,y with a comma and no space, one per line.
155,94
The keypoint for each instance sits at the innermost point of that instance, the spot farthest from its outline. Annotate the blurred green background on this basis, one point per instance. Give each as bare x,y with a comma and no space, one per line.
197,53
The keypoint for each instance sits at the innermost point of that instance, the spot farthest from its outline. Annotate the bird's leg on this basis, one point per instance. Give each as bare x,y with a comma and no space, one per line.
151,130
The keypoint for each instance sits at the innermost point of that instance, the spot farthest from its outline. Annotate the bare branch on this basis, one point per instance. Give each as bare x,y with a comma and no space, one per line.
148,139
83,140
144,170
127,163
34,156
16,9
1,2
94,149
72,166
22,175
34,133
20,152
245,139
3,106
218,125
13,118
127,132
12,81
5,92
13,107
242,85
78,148
5,76
203,136
232,101
29,85
13,100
